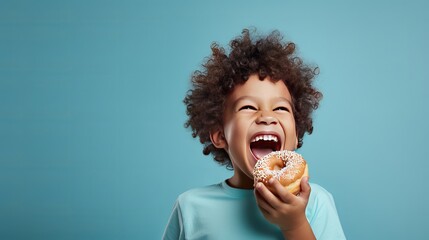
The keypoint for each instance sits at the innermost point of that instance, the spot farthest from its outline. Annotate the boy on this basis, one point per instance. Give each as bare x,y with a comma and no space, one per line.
260,88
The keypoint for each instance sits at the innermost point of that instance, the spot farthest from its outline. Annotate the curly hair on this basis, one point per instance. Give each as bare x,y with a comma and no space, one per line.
266,56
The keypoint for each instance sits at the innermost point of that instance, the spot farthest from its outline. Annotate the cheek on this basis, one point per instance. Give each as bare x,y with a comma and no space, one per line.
289,128
288,122
236,132
231,129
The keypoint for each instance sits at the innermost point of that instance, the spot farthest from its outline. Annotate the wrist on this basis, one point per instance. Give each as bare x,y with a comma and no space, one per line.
300,231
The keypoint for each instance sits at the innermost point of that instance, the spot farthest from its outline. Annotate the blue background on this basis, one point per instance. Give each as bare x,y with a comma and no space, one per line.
92,143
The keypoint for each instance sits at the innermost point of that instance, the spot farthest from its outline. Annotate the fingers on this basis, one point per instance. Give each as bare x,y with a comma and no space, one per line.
275,195
260,199
266,195
281,191
305,189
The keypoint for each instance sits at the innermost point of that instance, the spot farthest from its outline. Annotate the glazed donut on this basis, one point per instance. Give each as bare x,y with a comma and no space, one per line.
286,166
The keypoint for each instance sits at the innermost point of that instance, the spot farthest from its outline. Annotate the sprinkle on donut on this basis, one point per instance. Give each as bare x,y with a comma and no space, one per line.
286,166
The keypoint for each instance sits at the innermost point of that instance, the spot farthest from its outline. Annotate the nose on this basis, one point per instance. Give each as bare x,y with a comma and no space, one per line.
266,118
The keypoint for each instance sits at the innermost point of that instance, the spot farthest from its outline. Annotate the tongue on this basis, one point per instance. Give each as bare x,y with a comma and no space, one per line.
260,152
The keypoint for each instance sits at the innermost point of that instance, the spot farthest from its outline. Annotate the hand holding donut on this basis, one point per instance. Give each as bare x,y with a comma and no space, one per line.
284,209
282,192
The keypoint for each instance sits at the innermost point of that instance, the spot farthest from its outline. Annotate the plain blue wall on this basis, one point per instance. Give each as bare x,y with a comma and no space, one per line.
92,143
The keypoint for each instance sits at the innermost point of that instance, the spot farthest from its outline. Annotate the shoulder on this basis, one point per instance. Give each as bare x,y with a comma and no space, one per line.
319,192
196,204
199,194
320,198
320,210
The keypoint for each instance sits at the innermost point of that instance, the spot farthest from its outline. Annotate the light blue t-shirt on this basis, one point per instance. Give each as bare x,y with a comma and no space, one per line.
222,212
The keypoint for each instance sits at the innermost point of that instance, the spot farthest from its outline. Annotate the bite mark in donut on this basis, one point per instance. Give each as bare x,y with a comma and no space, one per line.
287,167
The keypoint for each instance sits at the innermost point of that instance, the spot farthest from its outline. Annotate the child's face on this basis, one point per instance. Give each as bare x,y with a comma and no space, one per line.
258,119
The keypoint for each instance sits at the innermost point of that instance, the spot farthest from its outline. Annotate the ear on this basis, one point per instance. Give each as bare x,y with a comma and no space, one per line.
218,139
296,142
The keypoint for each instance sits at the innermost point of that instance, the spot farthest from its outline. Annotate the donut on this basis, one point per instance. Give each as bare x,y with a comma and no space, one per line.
287,167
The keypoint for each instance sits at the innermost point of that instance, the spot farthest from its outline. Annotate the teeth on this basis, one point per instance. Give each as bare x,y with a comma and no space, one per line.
265,138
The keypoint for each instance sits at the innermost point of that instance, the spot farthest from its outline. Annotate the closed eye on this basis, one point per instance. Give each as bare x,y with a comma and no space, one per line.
282,109
247,107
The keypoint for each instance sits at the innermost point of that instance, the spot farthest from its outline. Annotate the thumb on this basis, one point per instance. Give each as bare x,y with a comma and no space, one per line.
305,188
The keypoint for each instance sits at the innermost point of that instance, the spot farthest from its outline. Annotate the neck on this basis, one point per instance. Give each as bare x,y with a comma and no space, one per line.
240,182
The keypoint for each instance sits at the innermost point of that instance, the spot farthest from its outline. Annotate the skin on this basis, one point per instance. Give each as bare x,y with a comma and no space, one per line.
250,111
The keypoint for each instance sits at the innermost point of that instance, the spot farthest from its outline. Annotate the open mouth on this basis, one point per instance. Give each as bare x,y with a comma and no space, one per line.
262,145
